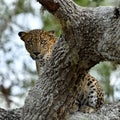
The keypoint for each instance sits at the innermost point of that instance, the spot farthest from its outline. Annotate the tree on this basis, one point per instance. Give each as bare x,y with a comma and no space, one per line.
90,35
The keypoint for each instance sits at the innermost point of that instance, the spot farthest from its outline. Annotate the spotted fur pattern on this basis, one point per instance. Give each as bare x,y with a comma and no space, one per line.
91,97
39,44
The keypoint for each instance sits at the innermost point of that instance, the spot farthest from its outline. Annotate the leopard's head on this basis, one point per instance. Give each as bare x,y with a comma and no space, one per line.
38,43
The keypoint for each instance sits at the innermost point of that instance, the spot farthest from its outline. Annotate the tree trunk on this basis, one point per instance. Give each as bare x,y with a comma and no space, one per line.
90,35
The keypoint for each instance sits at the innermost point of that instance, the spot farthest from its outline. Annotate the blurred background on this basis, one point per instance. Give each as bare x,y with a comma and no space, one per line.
18,70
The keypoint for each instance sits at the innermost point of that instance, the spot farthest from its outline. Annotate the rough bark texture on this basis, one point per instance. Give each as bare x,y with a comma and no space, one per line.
107,112
10,114
90,35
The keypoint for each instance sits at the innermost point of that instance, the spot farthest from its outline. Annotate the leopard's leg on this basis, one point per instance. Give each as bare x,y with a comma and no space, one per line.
91,97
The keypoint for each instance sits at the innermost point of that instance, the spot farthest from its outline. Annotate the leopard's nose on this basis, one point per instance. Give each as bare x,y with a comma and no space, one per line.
36,53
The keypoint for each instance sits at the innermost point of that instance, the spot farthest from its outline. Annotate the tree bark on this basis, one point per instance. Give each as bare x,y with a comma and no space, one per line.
10,114
107,112
90,35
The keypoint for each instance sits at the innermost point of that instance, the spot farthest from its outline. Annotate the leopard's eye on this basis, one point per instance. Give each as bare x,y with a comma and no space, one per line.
29,42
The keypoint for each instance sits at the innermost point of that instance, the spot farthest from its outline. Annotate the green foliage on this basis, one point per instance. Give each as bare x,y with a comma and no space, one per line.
50,23
89,2
82,2
21,6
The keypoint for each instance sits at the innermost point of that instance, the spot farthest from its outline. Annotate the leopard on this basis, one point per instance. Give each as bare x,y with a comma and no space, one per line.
91,97
40,43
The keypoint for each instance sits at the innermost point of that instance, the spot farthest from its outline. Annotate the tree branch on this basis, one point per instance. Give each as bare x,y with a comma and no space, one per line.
90,35
108,112
10,114
50,5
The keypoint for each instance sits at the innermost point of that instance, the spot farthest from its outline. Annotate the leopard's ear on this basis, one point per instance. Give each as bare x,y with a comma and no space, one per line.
22,34
51,32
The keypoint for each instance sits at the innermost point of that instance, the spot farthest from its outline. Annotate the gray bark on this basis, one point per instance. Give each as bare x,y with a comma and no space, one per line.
10,114
107,112
90,35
